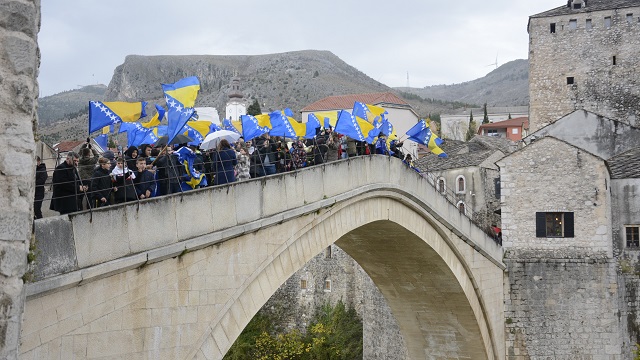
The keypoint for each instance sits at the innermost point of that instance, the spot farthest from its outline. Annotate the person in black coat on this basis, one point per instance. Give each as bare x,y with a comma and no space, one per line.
102,183
131,155
145,182
66,185
224,162
170,172
41,178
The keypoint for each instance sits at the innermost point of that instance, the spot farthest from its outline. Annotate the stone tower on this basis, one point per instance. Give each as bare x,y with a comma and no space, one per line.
236,105
584,55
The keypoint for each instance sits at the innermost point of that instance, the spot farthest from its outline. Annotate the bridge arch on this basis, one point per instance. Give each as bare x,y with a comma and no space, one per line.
425,279
188,291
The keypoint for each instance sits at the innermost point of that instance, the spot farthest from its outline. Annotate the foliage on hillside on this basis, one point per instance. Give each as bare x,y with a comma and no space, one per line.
335,332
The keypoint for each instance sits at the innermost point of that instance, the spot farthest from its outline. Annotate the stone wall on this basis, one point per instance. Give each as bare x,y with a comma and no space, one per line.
562,309
550,175
19,62
587,56
349,283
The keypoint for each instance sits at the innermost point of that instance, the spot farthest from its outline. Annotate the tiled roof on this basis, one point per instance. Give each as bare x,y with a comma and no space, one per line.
592,5
625,165
492,142
454,161
463,154
506,123
340,102
65,146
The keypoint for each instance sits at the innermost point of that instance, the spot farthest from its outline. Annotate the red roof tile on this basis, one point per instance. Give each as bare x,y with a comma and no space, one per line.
340,102
506,124
65,146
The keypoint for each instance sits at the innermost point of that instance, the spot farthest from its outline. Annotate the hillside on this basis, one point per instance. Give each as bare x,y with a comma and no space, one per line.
293,79
508,85
56,107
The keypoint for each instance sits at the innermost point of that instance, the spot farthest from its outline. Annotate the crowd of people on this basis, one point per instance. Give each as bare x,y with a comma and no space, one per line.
90,179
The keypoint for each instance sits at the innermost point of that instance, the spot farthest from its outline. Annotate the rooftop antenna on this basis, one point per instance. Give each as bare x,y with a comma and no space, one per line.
408,79
495,63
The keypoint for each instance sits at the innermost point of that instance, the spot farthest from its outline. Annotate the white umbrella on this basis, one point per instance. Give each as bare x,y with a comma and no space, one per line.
212,140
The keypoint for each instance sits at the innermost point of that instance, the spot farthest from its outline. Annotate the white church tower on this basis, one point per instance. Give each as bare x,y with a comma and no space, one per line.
236,105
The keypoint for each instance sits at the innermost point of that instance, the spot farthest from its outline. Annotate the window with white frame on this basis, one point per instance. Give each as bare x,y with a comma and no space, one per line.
461,185
303,284
462,207
327,284
514,131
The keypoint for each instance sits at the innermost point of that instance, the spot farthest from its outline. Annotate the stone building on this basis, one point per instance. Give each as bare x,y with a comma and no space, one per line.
570,214
562,281
584,55
469,176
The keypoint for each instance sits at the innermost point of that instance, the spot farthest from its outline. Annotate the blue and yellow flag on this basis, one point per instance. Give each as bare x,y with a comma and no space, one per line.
103,114
313,123
137,134
348,125
251,128
421,133
187,158
281,126
156,119
180,98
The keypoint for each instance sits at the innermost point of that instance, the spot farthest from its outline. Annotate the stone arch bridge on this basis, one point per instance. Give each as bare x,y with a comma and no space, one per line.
179,277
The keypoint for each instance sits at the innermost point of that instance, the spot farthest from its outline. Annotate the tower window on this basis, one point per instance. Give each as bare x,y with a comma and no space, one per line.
461,188
614,60
303,284
607,22
570,80
462,208
553,28
588,25
327,252
629,18
441,185
573,24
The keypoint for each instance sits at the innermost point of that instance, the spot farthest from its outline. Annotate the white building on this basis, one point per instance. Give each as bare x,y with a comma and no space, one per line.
236,106
400,113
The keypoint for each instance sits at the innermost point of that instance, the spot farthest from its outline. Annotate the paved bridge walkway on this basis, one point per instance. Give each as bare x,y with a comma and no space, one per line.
179,277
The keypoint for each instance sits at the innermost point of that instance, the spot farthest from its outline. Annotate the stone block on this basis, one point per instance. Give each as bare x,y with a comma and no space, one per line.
274,196
102,236
152,223
224,200
194,213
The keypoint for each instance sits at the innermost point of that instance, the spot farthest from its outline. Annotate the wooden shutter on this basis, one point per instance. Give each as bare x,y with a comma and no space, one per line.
568,225
541,224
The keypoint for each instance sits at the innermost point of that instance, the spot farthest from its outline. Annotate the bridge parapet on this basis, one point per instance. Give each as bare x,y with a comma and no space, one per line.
90,245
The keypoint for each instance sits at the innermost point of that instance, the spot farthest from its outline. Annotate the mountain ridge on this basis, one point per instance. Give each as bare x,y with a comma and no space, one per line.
292,79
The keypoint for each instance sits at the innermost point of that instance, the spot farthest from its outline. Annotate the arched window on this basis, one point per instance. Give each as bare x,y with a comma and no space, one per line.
462,208
461,185
442,186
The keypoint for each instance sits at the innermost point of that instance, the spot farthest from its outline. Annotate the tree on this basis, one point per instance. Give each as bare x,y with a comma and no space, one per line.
485,119
471,132
254,109
509,118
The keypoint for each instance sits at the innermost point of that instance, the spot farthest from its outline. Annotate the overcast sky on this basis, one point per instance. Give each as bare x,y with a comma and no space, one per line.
434,41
